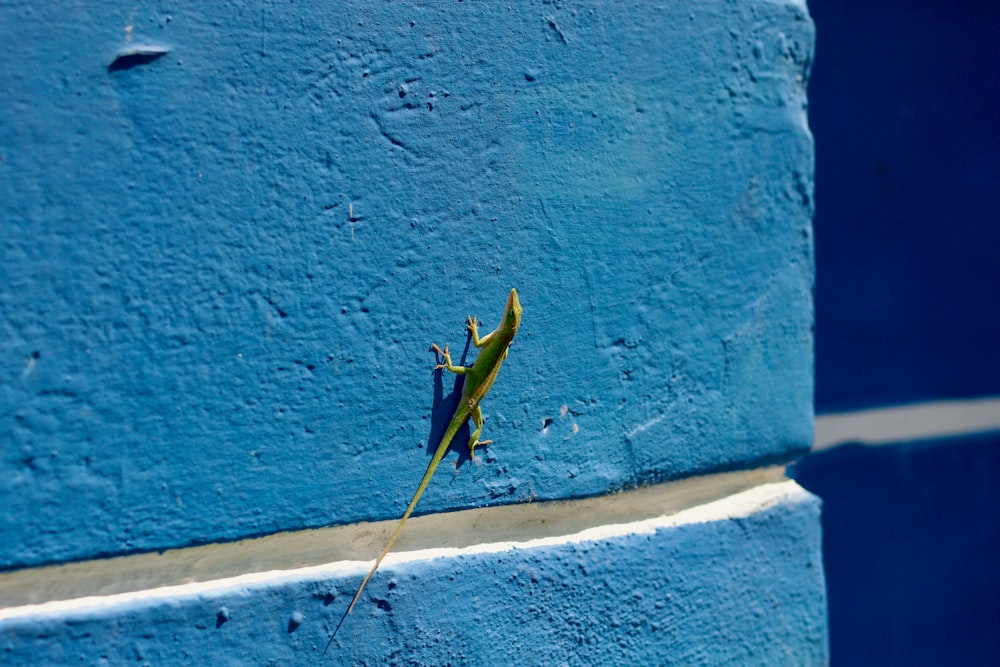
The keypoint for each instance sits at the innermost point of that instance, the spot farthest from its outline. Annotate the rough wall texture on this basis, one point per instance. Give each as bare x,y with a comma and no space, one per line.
222,265
745,591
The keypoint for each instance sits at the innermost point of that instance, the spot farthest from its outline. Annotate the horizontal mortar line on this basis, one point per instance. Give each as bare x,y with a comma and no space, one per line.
919,421
346,550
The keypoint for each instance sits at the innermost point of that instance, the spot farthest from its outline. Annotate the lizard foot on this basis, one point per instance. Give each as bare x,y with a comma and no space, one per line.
443,353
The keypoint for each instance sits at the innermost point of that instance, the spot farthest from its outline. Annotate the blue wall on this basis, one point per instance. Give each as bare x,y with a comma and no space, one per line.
231,234
904,107
910,537
745,591
223,266
905,112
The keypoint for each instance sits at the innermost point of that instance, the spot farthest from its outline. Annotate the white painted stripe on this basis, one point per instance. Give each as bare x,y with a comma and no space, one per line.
737,505
359,541
908,422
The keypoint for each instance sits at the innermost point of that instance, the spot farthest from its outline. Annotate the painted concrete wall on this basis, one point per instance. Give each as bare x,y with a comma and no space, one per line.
231,234
735,582
223,268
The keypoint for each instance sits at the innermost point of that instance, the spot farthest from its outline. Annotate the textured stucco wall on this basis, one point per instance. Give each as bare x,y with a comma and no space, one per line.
222,267
223,259
735,591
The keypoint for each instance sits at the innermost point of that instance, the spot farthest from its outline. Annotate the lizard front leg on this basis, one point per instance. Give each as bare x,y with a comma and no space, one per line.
472,324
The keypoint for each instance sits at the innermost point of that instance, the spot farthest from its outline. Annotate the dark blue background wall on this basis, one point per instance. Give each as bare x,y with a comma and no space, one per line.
906,112
910,539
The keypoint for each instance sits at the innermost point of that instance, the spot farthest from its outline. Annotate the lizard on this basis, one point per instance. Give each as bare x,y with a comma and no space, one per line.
479,377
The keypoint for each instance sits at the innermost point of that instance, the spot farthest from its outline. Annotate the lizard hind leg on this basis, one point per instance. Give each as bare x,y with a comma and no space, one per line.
477,419
458,370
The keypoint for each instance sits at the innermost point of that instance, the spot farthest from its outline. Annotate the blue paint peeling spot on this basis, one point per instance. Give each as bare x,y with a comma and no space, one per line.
135,55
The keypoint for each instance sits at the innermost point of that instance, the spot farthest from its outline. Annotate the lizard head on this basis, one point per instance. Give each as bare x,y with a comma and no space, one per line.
512,313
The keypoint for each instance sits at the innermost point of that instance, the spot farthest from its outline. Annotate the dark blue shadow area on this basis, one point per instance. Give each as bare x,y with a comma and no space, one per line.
911,534
905,109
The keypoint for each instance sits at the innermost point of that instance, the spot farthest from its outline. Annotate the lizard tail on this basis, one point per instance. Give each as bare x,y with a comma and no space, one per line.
456,423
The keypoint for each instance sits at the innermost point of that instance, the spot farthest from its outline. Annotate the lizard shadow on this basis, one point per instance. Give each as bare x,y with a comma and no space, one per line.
443,408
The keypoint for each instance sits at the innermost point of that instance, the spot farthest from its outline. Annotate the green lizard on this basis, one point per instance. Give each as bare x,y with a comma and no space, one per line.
479,378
